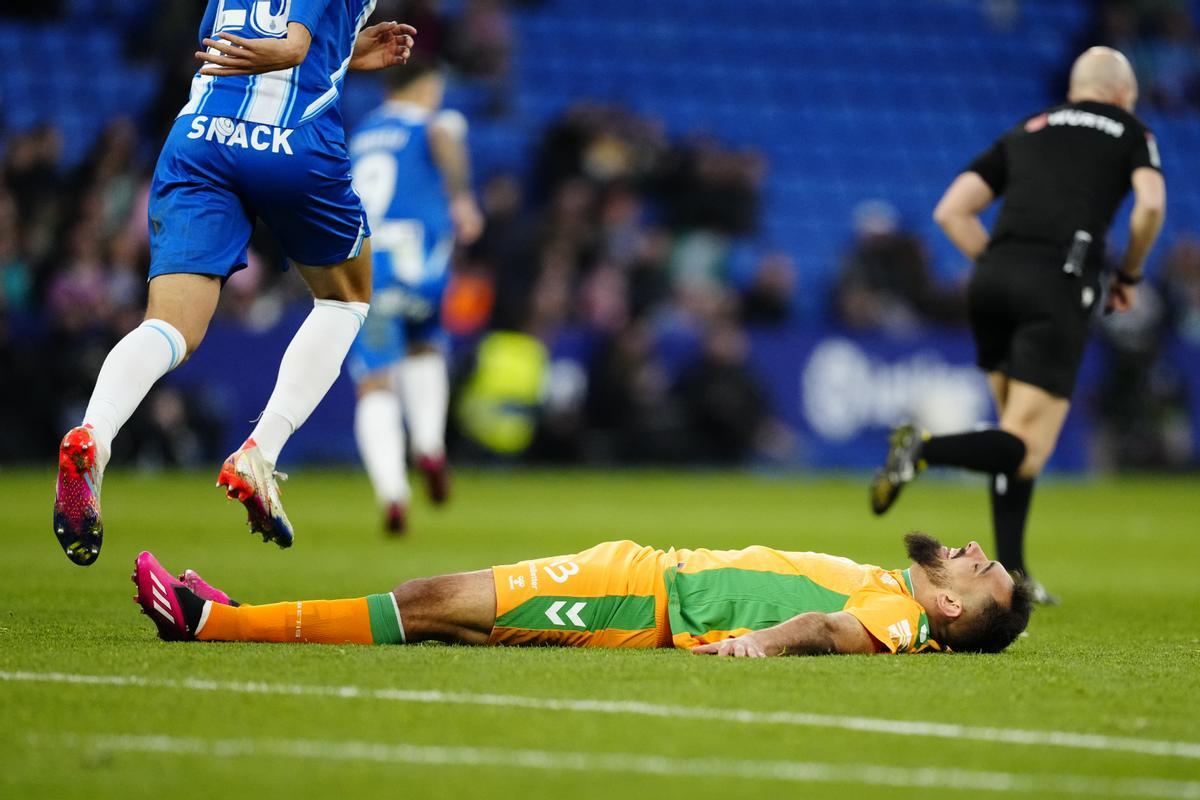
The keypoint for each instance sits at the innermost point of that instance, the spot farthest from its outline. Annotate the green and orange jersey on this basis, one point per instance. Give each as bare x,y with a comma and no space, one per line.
621,594
715,594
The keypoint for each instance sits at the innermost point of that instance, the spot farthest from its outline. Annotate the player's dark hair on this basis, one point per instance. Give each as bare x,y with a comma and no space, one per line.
417,66
997,627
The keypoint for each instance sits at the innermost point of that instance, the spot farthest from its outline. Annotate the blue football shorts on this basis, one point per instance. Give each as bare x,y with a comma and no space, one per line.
400,315
215,175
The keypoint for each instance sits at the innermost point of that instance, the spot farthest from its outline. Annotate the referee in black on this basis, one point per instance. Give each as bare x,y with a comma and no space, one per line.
1038,279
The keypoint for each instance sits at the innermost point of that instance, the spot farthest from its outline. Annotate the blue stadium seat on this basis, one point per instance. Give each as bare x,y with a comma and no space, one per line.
849,99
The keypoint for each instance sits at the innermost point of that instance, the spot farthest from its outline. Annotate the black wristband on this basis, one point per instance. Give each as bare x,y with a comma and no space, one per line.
1128,280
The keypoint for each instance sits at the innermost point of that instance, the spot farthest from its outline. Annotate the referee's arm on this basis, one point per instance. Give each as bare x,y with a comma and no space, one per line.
1145,221
957,213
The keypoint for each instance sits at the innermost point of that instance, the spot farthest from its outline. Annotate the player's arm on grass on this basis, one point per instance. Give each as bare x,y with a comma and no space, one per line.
1145,221
448,144
814,633
387,44
957,213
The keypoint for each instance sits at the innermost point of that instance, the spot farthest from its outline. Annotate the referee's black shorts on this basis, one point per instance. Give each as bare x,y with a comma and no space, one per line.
1030,319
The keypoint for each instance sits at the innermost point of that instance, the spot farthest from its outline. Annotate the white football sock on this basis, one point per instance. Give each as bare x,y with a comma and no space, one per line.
148,352
425,392
380,435
309,367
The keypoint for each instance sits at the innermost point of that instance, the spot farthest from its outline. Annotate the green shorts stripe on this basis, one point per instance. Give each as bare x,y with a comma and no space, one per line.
611,612
728,598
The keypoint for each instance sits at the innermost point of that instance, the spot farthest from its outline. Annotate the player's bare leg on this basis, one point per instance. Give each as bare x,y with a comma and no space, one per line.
1037,417
379,432
186,301
177,316
312,362
458,608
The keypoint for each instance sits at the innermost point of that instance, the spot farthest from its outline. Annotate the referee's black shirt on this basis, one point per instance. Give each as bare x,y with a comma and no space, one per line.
1064,170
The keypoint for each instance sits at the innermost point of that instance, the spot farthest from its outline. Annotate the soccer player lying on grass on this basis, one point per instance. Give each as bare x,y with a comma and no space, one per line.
752,602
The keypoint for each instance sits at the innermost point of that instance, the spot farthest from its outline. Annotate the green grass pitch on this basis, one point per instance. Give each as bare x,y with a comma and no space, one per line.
1116,667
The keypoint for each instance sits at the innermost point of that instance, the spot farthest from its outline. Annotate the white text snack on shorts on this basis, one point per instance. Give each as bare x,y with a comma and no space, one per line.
241,134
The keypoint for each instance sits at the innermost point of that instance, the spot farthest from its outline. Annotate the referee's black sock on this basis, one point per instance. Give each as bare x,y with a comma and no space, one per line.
1010,508
992,450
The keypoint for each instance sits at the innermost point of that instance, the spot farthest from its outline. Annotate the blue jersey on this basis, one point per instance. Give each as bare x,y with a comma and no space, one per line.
286,98
403,194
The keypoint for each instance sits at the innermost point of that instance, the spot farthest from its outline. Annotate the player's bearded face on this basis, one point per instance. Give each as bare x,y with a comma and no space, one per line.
925,550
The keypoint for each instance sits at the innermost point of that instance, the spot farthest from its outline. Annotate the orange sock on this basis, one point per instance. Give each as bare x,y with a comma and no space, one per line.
374,619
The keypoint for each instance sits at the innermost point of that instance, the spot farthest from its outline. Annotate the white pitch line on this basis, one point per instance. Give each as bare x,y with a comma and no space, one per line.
666,766
937,730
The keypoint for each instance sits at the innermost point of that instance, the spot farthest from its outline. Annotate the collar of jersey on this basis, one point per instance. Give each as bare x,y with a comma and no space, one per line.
908,581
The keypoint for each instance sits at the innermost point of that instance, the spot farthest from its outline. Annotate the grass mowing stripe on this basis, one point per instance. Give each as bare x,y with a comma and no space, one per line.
939,730
793,771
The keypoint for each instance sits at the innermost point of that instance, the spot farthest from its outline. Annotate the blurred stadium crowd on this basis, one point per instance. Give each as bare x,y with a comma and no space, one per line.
625,264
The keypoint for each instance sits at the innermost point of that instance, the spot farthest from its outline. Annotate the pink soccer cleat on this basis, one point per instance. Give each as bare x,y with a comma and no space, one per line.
77,522
175,610
203,589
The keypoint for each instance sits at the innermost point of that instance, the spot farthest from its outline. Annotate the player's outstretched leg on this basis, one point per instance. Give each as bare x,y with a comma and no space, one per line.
177,316
901,466
458,608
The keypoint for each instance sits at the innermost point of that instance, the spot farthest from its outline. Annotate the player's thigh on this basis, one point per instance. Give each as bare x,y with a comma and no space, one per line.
377,381
605,596
1036,416
347,281
186,301
199,222
453,608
